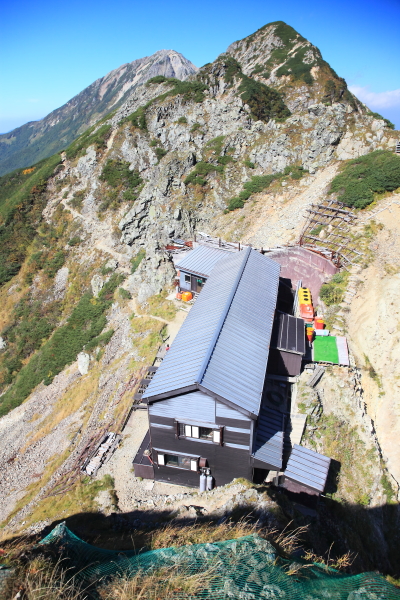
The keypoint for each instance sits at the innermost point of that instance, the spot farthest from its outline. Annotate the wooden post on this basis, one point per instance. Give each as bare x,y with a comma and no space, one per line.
239,246
219,242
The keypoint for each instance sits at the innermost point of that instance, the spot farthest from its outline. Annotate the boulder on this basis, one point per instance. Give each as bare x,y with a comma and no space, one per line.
83,363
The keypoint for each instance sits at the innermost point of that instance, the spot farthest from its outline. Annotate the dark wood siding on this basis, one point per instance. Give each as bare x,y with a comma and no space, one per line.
236,437
161,420
233,423
225,463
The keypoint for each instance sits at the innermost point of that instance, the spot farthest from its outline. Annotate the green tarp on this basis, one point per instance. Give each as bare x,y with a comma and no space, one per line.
247,568
325,349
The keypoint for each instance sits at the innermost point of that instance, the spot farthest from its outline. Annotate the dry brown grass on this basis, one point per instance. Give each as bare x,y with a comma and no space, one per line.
40,579
200,533
147,338
70,402
158,306
164,584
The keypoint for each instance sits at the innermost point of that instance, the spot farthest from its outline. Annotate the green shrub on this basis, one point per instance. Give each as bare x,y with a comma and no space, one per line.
216,144
195,127
233,204
136,260
257,69
190,90
265,103
378,116
362,177
295,67
54,264
33,322
22,199
98,139
117,173
160,152
182,120
266,74
259,183
100,340
224,160
333,292
85,323
74,241
156,79
138,118
295,171
131,195
125,294
201,169
249,164
77,199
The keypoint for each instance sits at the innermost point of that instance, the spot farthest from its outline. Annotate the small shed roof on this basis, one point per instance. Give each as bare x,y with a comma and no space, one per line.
201,260
288,334
268,441
222,347
308,467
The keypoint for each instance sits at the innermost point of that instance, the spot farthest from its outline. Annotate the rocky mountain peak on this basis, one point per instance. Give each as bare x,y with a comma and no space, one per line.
34,141
280,57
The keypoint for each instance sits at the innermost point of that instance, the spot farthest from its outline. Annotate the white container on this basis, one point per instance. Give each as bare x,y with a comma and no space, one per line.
203,483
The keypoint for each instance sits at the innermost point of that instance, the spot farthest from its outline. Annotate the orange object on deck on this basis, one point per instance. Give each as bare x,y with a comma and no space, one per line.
179,296
186,296
319,323
307,312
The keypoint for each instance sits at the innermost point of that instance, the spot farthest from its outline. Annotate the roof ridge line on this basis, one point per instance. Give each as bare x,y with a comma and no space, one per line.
222,318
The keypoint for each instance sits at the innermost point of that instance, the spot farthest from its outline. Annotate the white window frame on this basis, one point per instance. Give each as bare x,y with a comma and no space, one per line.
193,432
194,461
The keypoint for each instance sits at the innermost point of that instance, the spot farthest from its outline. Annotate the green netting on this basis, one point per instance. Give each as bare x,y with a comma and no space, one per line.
325,349
244,569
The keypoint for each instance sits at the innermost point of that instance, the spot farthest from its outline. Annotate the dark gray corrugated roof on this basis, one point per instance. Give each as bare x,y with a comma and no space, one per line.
201,260
308,467
268,440
222,346
288,334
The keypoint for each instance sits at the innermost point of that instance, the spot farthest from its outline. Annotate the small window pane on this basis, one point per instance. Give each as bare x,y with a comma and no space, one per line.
217,436
161,459
183,462
195,432
171,460
187,278
188,431
206,433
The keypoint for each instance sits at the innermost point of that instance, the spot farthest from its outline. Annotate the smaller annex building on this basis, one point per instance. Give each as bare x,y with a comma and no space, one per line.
196,266
212,404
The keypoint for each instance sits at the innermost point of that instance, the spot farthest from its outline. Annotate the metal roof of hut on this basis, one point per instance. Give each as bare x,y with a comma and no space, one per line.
308,468
223,345
201,260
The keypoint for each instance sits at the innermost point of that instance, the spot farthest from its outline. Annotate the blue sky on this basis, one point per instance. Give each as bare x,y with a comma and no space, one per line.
50,51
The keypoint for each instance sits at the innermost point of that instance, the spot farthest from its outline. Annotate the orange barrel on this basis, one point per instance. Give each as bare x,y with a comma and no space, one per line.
307,312
186,296
179,296
319,323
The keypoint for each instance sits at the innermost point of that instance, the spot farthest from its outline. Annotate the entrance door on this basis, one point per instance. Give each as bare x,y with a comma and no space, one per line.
197,283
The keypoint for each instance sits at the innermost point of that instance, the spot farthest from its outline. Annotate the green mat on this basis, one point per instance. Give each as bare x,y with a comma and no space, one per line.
325,349
244,569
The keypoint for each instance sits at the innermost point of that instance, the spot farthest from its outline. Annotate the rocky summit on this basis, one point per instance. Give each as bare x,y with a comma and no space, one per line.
34,141
240,150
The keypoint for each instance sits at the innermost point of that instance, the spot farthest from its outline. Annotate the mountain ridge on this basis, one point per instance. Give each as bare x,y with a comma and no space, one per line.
36,140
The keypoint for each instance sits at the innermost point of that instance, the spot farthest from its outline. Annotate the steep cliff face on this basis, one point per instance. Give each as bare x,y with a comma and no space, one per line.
34,141
174,159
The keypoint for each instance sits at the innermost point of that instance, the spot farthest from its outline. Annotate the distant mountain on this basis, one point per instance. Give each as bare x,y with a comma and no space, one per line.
36,140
